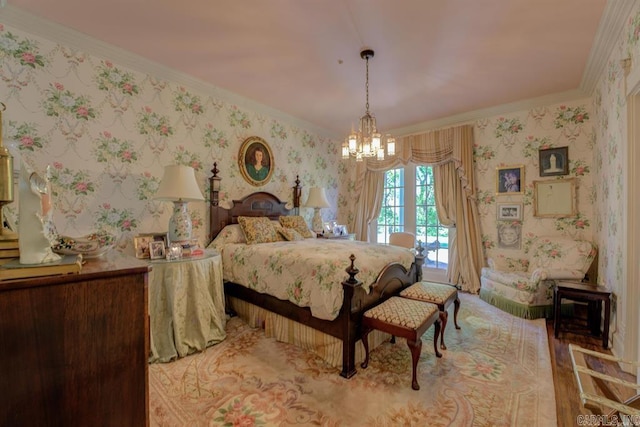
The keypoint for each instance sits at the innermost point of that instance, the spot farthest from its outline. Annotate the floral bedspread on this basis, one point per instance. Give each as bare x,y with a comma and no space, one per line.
309,272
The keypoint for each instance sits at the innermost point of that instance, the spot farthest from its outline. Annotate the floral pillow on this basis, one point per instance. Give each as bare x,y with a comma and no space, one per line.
290,234
230,234
258,229
297,223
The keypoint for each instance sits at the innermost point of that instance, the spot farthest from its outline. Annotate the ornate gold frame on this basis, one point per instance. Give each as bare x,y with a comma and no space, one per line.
247,150
555,198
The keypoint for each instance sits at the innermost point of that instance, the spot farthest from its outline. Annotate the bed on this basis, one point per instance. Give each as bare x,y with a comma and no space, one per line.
317,306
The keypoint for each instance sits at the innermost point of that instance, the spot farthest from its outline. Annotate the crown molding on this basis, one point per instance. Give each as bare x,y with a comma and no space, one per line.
611,25
25,21
471,116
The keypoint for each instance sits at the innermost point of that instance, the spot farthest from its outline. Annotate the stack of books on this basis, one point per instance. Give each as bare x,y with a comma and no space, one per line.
192,249
10,267
9,250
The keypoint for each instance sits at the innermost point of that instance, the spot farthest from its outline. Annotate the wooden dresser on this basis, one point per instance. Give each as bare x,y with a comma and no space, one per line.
74,348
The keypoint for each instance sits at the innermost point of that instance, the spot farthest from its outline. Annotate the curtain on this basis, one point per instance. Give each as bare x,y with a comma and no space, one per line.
450,152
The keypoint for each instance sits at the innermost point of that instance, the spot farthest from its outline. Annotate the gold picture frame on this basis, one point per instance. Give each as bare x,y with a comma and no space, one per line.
555,198
256,161
141,243
510,180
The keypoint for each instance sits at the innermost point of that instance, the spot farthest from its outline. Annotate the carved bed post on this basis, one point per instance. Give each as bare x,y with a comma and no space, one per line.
297,193
350,322
419,261
214,185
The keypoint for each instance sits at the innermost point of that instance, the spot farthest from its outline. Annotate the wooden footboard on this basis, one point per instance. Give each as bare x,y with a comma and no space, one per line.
347,326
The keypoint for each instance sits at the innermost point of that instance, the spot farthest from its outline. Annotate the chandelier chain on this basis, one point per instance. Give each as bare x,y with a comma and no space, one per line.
367,85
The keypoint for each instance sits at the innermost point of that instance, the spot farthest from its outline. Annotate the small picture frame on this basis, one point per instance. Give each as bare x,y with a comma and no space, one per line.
509,211
141,246
157,249
509,234
554,198
141,243
509,180
554,161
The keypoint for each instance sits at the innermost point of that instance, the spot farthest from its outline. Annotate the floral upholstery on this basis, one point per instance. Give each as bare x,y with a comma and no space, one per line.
297,223
403,312
436,293
290,234
525,287
258,230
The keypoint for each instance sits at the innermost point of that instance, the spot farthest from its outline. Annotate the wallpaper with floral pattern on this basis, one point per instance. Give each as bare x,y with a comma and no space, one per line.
610,167
108,131
514,140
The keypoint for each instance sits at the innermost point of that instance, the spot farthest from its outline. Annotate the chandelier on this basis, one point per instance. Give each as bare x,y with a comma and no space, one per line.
367,141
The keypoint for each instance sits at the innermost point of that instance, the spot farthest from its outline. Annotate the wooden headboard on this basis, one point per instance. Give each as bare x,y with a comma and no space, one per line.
260,203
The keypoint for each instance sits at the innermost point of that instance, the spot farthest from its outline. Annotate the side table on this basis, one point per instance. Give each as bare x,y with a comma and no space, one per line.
351,236
186,305
591,294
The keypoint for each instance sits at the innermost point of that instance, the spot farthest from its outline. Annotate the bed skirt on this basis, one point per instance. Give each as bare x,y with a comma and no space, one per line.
327,347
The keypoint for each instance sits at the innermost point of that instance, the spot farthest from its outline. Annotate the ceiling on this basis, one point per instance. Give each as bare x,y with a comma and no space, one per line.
433,58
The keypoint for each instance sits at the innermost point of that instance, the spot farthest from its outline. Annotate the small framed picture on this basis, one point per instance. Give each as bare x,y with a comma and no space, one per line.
156,249
142,240
554,161
509,211
509,234
509,179
141,245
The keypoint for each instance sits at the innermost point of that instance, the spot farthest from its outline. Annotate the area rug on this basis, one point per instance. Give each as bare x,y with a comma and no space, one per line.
495,372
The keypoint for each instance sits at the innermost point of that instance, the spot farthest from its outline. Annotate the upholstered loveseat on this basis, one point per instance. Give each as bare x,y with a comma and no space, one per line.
524,287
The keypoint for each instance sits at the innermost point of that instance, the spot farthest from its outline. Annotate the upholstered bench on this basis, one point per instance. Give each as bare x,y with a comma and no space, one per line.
440,294
403,318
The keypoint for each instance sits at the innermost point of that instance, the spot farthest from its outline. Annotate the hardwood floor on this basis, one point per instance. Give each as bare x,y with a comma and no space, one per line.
568,404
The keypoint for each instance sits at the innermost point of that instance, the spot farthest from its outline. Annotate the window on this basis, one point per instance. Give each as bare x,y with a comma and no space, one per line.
409,204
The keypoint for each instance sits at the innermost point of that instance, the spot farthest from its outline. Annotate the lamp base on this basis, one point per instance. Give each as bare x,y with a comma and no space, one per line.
180,223
316,222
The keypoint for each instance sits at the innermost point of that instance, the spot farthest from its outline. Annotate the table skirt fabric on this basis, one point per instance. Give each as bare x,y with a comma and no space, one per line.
186,307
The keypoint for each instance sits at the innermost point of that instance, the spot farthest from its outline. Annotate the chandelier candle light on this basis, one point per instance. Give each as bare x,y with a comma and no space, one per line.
367,142
317,200
179,186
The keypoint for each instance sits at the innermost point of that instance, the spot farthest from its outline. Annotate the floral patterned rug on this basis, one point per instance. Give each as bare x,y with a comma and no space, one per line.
496,372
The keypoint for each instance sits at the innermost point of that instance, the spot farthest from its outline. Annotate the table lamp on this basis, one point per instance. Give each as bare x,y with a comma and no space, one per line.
179,186
317,200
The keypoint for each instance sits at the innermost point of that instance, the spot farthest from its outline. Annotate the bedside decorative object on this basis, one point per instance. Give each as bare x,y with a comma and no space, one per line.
89,246
35,213
174,251
317,200
179,186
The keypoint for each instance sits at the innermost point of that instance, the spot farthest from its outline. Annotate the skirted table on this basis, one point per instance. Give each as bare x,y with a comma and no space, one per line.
186,306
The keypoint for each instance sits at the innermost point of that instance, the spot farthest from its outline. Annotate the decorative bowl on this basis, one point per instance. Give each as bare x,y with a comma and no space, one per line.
90,246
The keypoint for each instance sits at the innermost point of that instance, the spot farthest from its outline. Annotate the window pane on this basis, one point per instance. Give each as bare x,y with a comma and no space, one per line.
391,216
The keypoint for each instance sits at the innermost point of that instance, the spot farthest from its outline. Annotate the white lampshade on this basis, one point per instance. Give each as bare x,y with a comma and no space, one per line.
179,186
317,198
179,183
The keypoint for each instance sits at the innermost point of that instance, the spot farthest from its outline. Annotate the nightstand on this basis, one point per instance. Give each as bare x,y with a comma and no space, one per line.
594,296
186,305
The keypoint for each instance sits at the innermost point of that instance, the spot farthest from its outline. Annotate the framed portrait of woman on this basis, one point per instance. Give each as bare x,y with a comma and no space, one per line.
256,161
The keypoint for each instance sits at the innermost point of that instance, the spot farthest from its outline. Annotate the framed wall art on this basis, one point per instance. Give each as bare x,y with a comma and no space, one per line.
554,198
256,161
509,234
509,179
509,211
554,161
